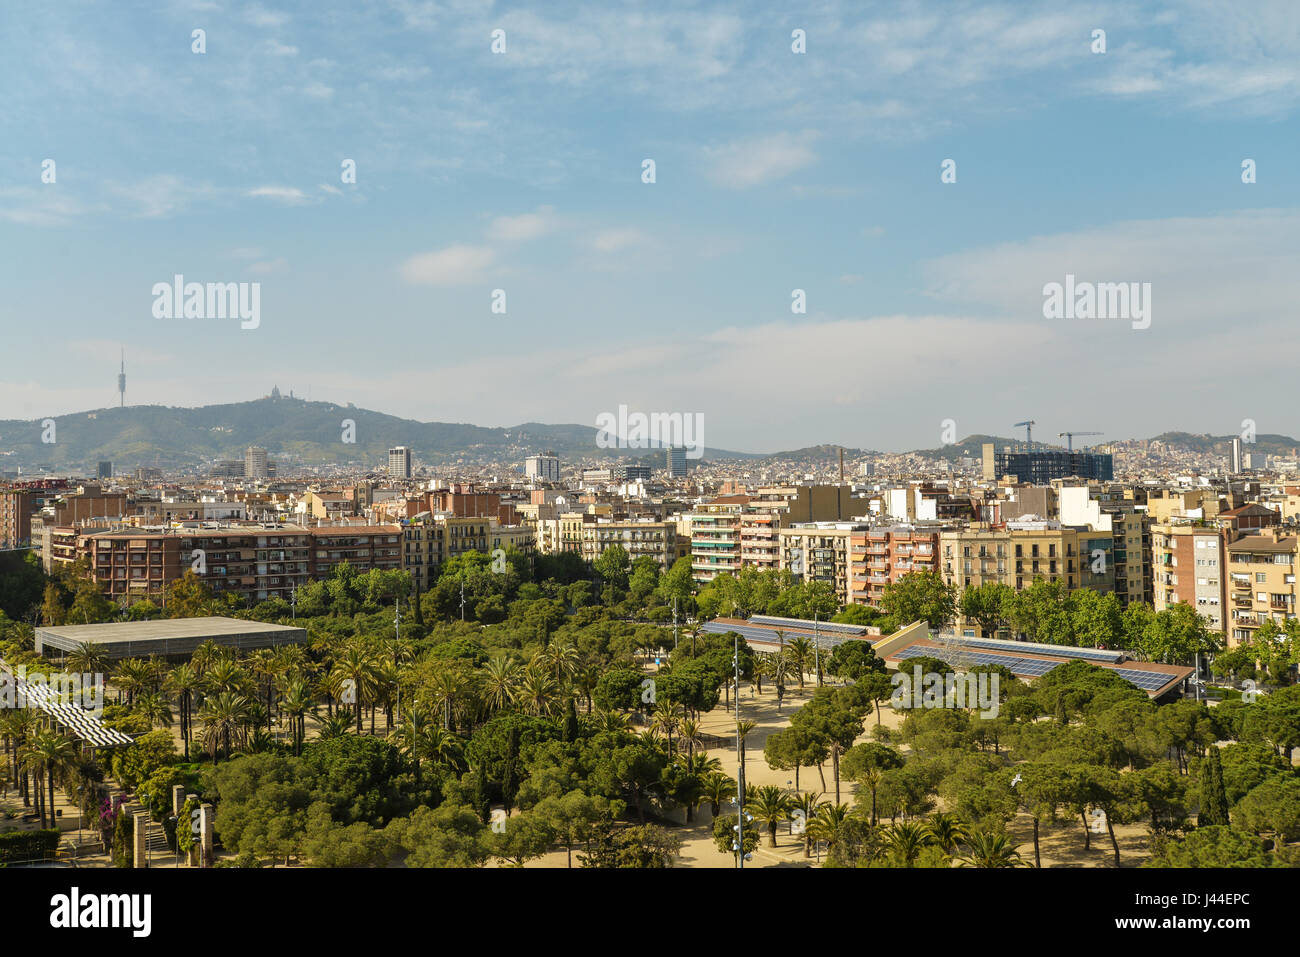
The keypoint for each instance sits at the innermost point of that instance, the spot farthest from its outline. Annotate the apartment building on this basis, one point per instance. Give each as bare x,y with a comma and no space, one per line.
1261,571
1019,552
733,531
819,551
1130,529
16,509
639,537
1188,561
881,555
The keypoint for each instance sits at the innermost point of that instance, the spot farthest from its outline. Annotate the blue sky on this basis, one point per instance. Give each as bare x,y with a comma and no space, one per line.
775,171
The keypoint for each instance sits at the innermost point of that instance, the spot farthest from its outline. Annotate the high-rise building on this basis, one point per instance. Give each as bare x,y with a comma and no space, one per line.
676,461
1188,563
399,462
105,470
255,463
1235,463
542,468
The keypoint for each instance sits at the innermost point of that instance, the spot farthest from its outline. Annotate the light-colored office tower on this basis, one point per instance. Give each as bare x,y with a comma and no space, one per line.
399,462
542,468
255,463
1235,464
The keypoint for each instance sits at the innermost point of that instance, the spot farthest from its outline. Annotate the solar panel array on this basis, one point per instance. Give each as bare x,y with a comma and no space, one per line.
767,634
1060,651
823,627
1031,667
1146,680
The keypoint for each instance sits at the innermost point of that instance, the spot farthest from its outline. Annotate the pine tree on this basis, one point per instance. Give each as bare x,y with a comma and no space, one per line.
571,723
1214,797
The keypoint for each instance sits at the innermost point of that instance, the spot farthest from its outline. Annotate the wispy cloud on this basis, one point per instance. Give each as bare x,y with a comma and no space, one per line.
450,266
752,162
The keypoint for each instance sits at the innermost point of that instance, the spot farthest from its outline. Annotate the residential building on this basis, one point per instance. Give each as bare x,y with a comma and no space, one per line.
1261,571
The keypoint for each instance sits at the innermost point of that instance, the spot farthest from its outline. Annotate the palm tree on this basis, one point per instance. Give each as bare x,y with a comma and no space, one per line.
991,850
297,701
447,684
870,779
906,841
444,748
224,675
947,831
691,735
700,764
584,682
563,660
744,727
809,803
769,804
18,725
184,682
668,713
799,652
225,719
355,669
337,725
265,663
48,754
500,674
87,658
154,708
718,790
829,823
132,675
609,721
536,690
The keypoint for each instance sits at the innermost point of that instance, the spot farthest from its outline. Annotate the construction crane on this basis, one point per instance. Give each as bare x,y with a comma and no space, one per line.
1069,438
1029,430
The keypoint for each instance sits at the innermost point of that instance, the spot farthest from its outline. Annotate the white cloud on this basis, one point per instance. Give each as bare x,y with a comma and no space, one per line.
269,266
290,195
452,265
523,227
162,195
616,240
746,163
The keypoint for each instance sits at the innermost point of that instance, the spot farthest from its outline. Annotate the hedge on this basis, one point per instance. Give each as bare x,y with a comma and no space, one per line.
27,845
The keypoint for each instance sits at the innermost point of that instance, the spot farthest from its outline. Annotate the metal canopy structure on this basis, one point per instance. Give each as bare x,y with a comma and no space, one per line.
69,716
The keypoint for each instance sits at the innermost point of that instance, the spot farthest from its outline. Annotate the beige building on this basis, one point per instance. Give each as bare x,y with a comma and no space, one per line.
1262,586
819,551
1019,552
658,540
